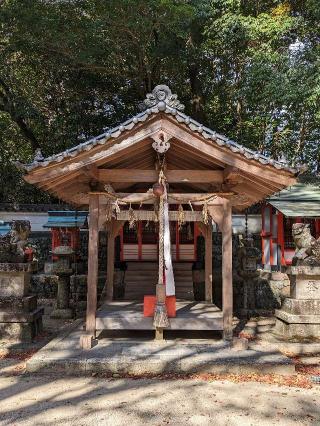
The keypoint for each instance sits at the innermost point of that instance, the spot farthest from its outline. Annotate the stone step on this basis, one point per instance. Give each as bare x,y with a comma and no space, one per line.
152,279
148,278
151,285
138,266
183,266
155,278
136,295
264,328
141,279
141,274
147,274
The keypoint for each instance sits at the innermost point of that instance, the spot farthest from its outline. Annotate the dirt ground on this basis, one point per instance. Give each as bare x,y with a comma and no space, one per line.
55,400
40,400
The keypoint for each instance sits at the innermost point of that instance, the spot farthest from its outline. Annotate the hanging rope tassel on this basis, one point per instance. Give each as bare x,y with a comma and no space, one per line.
205,214
160,319
181,216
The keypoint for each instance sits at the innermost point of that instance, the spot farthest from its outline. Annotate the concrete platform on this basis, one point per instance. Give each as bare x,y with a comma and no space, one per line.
295,347
137,356
128,315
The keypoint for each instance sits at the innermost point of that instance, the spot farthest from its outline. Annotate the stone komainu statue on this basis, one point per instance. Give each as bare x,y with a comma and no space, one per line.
12,245
307,247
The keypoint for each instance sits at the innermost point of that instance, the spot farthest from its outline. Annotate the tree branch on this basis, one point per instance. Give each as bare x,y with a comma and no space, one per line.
7,105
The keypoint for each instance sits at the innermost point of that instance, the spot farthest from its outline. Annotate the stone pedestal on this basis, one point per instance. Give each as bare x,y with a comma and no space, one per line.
62,268
20,317
299,316
62,307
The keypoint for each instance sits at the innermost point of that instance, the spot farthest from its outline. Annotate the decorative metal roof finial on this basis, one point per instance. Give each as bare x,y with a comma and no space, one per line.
161,97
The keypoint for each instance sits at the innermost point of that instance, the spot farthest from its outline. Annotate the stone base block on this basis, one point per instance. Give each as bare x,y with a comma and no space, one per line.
20,304
62,313
297,319
14,283
305,282
301,306
296,330
22,329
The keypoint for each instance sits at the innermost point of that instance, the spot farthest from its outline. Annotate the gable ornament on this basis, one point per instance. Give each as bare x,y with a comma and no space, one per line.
161,97
161,142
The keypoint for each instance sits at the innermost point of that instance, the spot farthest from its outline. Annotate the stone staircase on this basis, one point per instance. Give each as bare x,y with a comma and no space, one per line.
141,279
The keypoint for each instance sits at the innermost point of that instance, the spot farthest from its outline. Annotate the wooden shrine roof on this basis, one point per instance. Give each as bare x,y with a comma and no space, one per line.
199,160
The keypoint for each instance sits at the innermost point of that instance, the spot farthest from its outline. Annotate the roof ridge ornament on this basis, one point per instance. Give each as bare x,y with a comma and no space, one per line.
161,96
38,155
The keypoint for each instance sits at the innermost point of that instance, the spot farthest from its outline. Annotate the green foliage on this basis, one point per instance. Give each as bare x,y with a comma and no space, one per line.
70,68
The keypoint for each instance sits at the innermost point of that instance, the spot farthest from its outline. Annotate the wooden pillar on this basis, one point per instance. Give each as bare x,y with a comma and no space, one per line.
227,290
208,263
110,263
87,340
206,231
113,227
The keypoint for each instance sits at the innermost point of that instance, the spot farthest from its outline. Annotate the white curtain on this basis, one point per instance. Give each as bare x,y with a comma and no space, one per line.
170,286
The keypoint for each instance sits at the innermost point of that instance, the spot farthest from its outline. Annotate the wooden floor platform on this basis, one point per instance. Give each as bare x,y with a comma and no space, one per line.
128,315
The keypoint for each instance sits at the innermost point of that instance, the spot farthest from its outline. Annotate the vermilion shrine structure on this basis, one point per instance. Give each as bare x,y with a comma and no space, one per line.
207,176
297,204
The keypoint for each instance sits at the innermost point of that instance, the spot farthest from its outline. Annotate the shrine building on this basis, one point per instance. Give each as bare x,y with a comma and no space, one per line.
299,203
158,181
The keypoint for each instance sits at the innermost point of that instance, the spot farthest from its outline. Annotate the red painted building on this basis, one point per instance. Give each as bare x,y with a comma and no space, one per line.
65,227
298,203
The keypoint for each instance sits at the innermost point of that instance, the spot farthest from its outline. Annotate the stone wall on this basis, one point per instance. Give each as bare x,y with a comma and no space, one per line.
259,295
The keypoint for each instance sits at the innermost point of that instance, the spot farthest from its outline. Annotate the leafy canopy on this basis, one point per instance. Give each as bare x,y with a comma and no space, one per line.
71,68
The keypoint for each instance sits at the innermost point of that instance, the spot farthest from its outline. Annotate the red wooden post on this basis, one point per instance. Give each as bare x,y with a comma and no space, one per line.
317,223
281,237
262,234
271,235
55,240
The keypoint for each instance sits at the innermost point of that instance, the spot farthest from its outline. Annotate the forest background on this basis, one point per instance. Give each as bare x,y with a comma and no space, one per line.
70,69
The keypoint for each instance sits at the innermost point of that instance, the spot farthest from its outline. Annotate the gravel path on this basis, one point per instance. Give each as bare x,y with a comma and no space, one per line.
41,400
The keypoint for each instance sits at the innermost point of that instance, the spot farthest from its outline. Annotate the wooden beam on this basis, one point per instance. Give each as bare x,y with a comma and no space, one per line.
227,290
87,341
232,176
174,198
190,216
91,172
150,176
